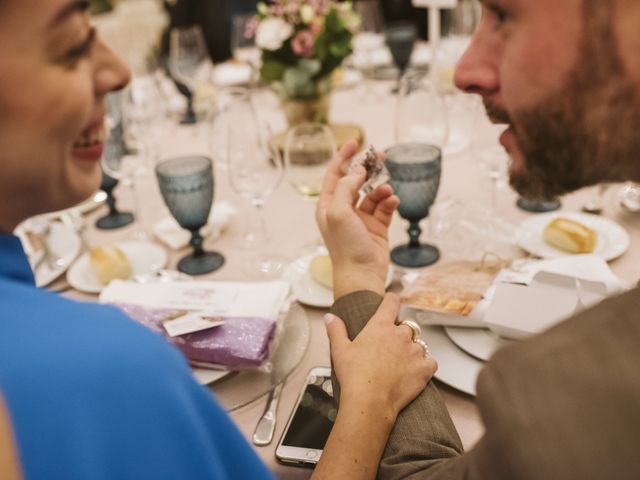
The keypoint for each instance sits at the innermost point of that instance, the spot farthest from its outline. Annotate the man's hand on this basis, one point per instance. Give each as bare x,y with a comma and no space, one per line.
357,238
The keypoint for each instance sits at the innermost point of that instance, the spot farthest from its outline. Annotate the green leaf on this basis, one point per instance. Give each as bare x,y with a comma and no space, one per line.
310,65
271,71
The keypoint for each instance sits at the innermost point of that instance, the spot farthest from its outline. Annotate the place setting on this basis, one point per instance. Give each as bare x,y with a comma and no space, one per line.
476,301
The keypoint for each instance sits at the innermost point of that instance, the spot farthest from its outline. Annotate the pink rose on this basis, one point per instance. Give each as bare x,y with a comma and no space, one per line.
302,44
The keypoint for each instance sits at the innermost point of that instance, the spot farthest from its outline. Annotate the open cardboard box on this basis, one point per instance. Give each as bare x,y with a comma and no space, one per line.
520,311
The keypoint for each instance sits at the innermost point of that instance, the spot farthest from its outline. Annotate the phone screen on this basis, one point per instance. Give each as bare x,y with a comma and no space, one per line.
313,419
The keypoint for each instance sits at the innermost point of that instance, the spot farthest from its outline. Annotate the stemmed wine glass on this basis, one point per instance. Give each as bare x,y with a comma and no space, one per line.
421,114
186,184
255,170
415,177
369,39
400,38
115,149
188,64
115,218
309,147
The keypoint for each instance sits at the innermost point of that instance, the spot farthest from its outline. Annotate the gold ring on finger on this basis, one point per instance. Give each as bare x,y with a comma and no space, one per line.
416,331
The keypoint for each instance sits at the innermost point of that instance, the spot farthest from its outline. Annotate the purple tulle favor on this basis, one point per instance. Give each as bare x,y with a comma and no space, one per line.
239,343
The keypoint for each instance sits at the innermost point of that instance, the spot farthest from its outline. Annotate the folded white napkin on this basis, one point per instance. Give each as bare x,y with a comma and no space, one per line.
233,299
171,234
227,74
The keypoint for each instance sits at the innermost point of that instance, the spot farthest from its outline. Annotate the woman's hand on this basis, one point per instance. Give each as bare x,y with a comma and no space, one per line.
357,238
382,370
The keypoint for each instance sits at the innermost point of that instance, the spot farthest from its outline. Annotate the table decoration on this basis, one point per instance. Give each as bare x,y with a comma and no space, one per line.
302,44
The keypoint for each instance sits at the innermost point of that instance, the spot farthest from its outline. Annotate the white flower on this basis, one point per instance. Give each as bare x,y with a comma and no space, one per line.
307,14
272,33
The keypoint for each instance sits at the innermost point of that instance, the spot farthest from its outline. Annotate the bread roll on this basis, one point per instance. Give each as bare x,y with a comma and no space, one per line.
321,271
570,236
109,263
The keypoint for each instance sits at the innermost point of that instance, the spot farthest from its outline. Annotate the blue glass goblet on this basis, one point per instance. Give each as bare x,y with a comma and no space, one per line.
415,177
115,218
186,184
538,206
400,38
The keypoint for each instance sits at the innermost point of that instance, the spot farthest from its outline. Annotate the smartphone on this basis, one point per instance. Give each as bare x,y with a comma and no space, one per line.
310,423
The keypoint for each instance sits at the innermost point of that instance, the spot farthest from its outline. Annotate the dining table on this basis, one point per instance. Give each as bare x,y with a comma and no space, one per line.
291,226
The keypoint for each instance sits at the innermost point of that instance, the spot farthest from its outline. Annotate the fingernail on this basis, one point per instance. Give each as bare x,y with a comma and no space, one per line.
328,318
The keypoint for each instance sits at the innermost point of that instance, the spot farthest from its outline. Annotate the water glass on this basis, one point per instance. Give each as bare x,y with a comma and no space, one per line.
415,170
187,187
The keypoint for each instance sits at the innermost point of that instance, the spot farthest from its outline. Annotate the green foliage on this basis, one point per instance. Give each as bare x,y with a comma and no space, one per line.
298,77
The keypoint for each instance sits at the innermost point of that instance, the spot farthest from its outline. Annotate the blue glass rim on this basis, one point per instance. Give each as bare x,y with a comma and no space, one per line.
165,168
435,150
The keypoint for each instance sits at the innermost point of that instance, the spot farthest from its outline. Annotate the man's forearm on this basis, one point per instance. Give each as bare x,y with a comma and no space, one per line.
423,433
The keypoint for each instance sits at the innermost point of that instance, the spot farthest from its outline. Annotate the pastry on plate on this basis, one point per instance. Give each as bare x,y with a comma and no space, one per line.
109,263
321,271
570,236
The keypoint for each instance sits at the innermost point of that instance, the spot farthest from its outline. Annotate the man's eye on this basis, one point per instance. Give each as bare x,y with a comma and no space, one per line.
497,14
84,48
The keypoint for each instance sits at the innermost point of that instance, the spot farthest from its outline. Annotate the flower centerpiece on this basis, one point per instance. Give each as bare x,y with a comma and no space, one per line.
302,43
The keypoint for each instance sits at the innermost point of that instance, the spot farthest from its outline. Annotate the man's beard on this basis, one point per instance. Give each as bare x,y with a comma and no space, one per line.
586,133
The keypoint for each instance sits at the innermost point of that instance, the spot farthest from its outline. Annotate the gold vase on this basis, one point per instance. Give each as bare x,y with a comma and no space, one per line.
308,109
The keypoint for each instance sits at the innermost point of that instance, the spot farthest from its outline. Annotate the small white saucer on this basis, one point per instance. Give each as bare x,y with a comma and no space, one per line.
307,290
613,240
146,258
482,343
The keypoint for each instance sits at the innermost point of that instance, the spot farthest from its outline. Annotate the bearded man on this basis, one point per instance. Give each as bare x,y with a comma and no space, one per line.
565,77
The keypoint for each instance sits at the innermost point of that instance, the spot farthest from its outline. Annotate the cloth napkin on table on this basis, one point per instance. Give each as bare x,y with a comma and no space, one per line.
171,234
249,312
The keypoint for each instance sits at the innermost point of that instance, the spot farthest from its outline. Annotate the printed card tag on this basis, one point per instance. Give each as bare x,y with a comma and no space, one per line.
191,322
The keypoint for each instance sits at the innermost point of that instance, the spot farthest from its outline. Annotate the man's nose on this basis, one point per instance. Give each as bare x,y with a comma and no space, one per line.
477,70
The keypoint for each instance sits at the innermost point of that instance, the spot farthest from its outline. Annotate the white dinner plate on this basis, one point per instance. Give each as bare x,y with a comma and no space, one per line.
63,243
482,343
206,376
307,290
612,241
146,258
64,246
455,368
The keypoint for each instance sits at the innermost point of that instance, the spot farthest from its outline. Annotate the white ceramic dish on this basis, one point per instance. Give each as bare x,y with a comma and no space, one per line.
206,376
307,290
482,343
613,240
145,257
455,368
64,245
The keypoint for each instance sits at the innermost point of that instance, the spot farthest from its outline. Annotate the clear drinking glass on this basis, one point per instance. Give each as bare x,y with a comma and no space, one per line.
369,39
187,187
309,148
255,170
189,65
233,104
243,39
415,177
421,113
